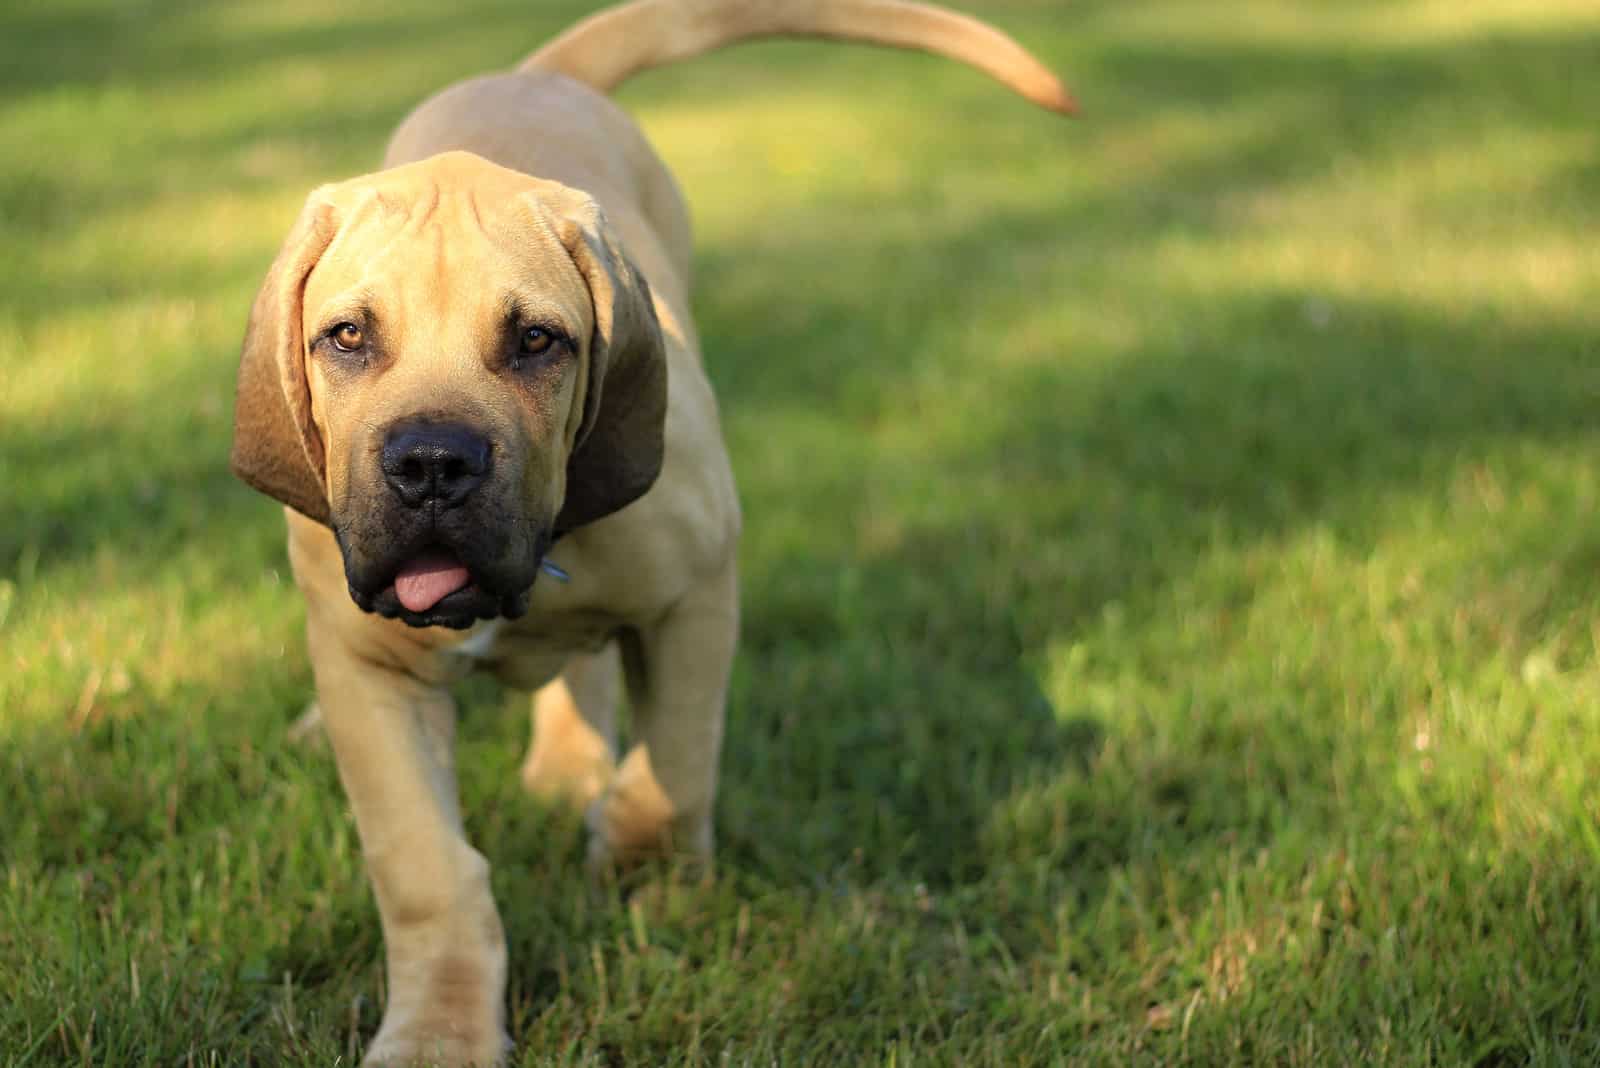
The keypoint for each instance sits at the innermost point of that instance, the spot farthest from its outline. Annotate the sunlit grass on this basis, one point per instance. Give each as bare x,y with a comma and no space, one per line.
1169,576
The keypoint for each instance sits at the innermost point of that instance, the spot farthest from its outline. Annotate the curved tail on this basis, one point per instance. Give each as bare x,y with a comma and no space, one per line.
608,48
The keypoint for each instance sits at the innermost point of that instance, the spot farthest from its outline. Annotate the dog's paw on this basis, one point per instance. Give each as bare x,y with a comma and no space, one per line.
447,1015
571,766
436,1051
635,821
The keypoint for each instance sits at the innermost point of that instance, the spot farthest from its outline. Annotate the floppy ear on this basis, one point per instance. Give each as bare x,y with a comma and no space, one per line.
617,454
275,447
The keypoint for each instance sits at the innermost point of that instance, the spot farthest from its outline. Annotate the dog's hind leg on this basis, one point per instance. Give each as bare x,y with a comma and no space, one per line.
572,757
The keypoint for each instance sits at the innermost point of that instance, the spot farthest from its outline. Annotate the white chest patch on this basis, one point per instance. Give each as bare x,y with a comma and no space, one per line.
480,643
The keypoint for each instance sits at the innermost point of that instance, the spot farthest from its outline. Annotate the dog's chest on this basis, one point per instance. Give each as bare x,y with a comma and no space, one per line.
532,651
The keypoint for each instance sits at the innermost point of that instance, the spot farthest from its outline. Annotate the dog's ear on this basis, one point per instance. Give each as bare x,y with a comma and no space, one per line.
275,446
617,453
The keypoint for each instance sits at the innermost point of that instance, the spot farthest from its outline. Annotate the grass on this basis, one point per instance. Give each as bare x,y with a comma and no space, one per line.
1170,576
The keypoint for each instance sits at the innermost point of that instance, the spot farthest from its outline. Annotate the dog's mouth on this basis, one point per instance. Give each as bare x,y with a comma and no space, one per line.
426,580
435,588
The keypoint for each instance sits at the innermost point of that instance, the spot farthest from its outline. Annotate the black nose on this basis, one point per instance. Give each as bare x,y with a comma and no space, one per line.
434,463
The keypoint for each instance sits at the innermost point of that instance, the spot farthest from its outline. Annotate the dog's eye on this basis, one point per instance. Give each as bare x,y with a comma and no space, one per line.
347,337
536,341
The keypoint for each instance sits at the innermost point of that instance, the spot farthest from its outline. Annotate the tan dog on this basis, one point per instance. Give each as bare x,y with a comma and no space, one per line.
456,376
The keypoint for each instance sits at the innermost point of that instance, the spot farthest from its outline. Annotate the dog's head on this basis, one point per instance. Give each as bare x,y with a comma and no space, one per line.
450,364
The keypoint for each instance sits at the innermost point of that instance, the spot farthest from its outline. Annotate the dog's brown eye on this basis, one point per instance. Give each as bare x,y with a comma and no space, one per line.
536,342
347,337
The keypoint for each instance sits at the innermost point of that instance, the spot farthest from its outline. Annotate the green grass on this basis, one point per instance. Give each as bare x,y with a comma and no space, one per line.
1171,570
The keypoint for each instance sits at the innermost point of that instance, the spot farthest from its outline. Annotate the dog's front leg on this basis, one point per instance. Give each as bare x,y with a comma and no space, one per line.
393,737
660,798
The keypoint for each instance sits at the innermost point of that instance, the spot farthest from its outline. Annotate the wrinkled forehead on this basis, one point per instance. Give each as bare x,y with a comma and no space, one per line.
419,255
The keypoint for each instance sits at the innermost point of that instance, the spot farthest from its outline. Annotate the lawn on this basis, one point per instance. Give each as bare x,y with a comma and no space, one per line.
1171,571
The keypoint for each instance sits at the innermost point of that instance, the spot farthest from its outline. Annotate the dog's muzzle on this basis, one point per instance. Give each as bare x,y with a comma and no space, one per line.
442,556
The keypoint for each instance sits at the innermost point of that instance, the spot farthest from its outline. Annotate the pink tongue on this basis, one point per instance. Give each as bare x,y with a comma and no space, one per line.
427,580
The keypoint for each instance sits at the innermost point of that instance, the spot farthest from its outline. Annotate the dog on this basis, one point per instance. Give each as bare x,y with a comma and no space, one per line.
473,381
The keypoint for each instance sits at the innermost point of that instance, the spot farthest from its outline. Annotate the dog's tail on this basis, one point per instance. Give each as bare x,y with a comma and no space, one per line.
608,48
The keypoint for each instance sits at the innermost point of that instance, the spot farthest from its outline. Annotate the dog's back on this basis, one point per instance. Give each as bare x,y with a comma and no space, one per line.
551,117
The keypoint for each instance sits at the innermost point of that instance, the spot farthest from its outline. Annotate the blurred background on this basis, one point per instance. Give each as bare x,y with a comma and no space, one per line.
1170,570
